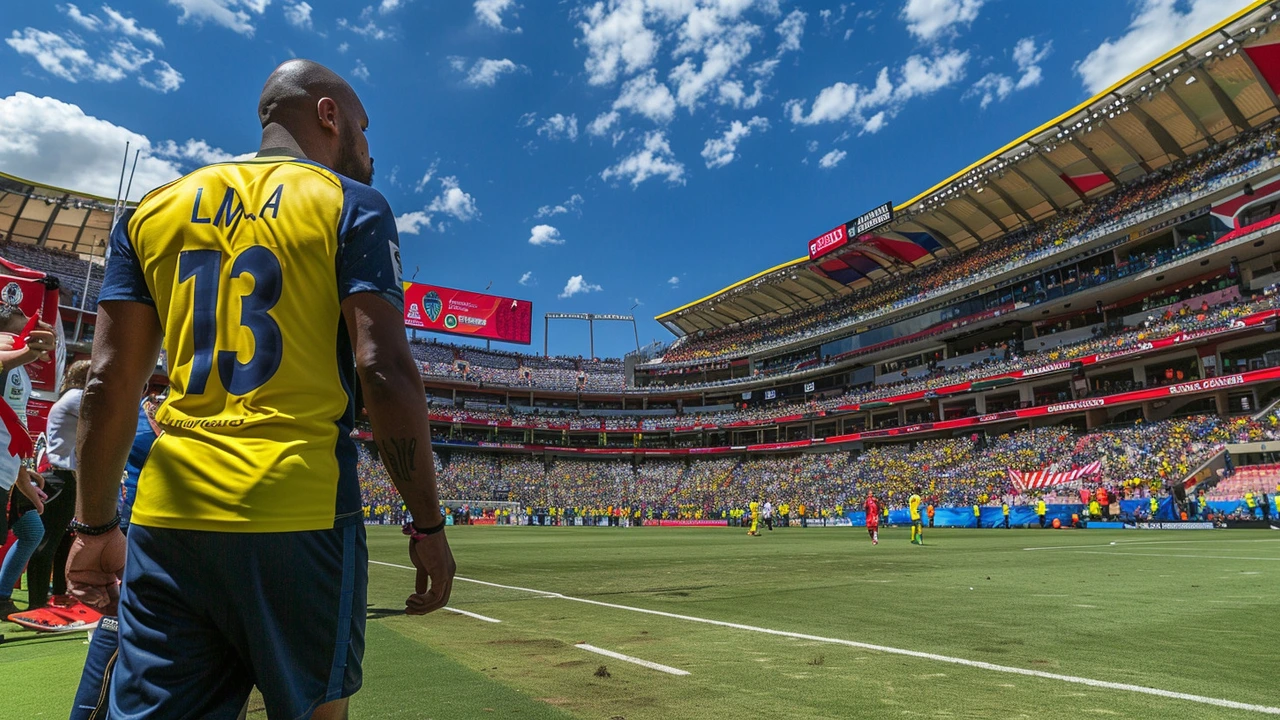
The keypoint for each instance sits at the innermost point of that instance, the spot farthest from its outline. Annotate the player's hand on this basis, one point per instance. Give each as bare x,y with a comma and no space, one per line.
40,343
94,569
434,561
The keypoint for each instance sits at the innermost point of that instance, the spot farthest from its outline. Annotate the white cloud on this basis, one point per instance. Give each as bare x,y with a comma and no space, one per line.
298,15
485,71
718,152
489,13
412,223
792,30
231,14
164,79
929,19
426,177
576,286
644,95
832,159
452,201
116,22
850,102
995,86
369,29
573,204
1156,26
603,122
388,6
197,151
617,40
674,281
360,70
60,56
527,279
545,235
559,126
653,159
50,141
344,47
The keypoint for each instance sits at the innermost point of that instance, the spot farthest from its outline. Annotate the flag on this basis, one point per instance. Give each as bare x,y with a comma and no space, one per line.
1043,478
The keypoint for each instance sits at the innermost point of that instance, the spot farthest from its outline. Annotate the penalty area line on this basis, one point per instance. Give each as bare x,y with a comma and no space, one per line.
1090,682
633,660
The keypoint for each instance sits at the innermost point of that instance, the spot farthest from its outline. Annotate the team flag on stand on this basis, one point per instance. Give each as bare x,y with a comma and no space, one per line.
1044,478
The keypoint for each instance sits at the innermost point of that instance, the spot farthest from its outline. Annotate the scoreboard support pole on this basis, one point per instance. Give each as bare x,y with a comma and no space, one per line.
590,319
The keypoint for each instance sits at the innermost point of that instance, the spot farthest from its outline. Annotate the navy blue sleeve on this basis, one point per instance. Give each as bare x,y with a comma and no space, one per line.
368,245
123,279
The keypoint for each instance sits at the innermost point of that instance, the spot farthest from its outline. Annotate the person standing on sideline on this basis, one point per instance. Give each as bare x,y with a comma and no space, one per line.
273,283
1041,510
28,501
1004,509
977,515
768,515
755,518
928,511
60,485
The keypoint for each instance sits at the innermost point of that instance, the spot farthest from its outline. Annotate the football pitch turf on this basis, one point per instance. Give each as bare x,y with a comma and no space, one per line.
812,623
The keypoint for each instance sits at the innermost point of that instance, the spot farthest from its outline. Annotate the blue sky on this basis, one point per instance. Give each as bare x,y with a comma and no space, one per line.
587,156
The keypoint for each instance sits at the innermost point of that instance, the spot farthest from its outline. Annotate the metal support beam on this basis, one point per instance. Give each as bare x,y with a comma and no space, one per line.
963,225
1078,144
1013,204
938,234
1119,140
1057,172
1172,92
971,196
1031,183
1157,132
1229,107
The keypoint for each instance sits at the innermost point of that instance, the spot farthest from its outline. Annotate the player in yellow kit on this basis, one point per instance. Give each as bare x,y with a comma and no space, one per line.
273,283
755,519
917,527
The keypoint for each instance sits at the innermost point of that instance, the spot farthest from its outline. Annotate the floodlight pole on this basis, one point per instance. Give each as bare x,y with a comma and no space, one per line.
591,336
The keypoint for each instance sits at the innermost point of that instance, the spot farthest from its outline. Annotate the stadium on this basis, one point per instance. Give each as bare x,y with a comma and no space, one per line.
1058,361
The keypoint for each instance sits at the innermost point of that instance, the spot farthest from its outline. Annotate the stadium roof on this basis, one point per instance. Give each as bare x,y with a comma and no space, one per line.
1222,82
54,217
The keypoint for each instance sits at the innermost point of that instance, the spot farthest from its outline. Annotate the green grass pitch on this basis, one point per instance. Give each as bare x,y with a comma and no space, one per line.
1186,612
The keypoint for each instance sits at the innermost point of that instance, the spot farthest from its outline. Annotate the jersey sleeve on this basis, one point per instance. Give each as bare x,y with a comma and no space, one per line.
368,245
123,278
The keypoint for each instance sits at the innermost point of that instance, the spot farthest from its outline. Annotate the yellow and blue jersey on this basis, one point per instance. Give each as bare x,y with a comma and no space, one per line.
914,503
247,264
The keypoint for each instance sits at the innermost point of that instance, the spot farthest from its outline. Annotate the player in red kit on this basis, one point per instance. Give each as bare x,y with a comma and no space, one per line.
873,518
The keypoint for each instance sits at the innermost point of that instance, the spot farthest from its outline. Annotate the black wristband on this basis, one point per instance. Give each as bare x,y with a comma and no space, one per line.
91,530
429,531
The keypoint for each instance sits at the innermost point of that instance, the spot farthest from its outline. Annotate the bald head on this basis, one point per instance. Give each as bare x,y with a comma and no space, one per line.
308,107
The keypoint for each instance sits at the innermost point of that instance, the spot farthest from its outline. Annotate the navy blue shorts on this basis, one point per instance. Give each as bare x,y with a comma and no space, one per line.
207,616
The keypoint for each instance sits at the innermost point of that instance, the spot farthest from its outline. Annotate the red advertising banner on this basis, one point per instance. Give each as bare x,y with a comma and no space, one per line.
460,312
828,242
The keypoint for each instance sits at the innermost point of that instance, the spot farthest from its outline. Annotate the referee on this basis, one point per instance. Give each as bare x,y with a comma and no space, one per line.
273,284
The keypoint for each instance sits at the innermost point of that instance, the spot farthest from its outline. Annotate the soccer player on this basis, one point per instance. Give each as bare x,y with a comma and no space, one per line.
917,528
273,283
873,518
755,518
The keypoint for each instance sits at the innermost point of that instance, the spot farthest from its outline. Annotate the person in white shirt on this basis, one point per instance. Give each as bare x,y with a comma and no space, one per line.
60,486
768,515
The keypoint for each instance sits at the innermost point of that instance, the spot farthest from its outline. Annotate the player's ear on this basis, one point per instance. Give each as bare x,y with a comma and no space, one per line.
329,116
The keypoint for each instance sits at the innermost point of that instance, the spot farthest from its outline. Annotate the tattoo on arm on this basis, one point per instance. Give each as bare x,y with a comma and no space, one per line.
399,455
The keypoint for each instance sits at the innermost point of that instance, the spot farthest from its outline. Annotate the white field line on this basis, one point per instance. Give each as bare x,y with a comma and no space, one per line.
1173,555
1104,684
633,660
1148,542
473,615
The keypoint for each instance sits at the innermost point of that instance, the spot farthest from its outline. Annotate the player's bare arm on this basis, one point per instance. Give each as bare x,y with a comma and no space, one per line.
398,413
126,345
